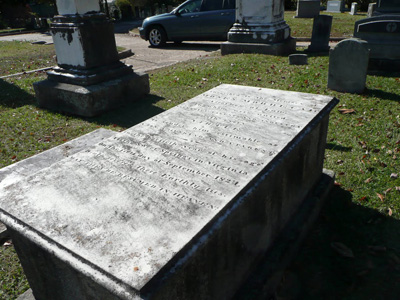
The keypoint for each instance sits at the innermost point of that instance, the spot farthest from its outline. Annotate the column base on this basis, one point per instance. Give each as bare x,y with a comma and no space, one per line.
92,100
283,48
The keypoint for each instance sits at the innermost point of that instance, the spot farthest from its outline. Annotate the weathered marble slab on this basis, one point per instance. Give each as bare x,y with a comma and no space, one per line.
133,211
17,171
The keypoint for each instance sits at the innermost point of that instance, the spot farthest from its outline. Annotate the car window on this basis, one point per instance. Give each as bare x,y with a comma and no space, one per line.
190,7
208,5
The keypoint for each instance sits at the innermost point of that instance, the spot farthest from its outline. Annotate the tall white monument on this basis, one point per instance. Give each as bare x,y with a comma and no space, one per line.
260,28
90,79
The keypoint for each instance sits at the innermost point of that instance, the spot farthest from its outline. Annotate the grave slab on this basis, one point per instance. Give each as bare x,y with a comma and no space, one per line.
181,206
17,171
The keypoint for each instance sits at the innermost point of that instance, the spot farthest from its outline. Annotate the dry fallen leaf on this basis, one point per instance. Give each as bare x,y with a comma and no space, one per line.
368,180
342,249
380,196
347,111
362,198
390,212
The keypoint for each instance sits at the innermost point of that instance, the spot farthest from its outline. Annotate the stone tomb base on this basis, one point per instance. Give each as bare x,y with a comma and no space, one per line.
280,49
91,100
181,206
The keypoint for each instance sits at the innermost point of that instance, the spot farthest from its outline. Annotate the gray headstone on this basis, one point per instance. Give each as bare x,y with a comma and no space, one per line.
335,6
320,34
308,8
371,9
177,207
387,7
353,10
298,59
383,36
348,64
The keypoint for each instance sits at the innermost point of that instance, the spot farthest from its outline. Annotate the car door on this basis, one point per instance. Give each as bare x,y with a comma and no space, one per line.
186,24
218,17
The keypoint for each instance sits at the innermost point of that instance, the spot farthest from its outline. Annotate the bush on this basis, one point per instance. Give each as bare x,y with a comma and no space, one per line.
126,8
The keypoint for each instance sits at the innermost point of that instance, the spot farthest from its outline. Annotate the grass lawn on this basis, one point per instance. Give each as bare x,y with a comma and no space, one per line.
363,148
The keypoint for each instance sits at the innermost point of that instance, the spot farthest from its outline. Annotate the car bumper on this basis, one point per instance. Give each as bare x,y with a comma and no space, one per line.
142,33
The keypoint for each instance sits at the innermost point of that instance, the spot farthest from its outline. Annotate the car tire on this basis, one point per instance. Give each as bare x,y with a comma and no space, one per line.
157,36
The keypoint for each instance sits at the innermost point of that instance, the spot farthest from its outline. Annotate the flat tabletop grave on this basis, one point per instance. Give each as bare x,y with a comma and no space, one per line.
134,203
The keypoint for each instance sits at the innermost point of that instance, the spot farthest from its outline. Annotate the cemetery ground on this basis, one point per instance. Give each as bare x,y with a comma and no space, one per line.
352,252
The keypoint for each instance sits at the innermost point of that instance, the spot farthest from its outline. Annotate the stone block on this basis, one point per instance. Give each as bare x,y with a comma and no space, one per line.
92,100
348,64
281,49
181,206
308,8
298,59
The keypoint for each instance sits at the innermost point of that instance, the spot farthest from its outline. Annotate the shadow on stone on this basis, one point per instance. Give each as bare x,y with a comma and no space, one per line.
130,114
13,96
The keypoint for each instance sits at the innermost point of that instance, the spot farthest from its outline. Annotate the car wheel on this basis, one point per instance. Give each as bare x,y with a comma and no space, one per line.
157,36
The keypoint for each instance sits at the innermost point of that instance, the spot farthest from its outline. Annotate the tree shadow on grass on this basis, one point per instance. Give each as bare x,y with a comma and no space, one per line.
204,46
336,147
321,272
383,95
130,114
12,96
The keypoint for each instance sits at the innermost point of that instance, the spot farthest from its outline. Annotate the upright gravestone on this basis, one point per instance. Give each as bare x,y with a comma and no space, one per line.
89,78
179,207
348,64
260,28
308,8
353,10
320,34
371,9
335,6
383,36
387,7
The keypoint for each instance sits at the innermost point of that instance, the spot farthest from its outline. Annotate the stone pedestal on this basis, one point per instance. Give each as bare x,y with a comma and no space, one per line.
87,58
260,28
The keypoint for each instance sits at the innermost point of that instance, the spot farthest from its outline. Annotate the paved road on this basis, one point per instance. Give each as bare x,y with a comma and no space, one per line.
145,58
